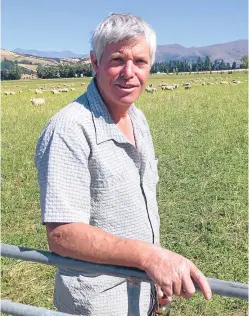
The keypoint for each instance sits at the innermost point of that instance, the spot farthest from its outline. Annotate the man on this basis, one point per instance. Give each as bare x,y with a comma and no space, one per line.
97,174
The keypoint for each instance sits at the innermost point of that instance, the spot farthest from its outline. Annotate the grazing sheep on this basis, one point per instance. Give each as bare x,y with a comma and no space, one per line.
7,93
224,82
175,85
12,93
168,87
236,82
150,90
188,86
38,91
73,89
37,101
63,90
55,91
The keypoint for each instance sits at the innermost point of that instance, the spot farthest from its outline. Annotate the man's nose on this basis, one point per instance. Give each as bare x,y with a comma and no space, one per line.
128,70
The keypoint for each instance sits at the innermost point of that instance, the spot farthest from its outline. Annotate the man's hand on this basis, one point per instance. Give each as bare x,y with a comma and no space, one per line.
173,273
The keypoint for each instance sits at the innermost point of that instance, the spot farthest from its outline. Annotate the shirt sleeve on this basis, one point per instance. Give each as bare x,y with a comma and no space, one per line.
63,175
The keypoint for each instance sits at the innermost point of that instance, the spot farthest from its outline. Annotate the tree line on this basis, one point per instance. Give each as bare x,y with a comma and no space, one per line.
10,70
196,66
64,71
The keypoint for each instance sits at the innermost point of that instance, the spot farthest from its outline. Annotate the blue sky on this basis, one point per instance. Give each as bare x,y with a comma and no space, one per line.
67,24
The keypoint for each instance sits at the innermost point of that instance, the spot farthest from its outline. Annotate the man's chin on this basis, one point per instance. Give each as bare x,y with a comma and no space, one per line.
126,101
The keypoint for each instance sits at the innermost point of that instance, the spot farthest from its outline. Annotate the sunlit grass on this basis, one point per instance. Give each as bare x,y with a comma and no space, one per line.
200,138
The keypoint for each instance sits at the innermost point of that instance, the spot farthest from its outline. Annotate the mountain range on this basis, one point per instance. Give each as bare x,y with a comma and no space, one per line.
229,51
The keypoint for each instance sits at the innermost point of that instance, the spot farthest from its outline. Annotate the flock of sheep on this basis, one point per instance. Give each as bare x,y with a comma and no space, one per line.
64,88
40,90
187,85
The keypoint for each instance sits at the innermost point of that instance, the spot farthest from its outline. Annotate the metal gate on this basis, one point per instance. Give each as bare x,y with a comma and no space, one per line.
134,278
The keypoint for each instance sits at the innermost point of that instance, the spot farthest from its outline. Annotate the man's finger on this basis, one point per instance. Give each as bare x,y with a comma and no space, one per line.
201,280
167,290
177,287
188,288
159,292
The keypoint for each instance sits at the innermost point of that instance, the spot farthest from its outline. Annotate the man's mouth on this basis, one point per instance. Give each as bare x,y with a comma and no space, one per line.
126,86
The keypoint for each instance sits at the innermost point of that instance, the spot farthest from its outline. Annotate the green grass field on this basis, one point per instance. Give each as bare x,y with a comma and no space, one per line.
200,138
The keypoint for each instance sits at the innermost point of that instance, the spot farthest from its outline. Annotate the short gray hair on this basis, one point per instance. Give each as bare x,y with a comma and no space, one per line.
121,26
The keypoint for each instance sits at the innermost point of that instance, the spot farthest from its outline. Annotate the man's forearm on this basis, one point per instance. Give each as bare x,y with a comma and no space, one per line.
85,242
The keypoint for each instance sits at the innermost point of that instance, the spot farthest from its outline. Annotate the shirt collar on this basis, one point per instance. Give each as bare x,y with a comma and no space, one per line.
103,122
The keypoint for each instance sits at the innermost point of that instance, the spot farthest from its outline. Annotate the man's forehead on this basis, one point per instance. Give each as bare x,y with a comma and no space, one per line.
135,44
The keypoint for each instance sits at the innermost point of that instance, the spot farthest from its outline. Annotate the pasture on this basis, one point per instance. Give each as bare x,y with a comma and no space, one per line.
200,139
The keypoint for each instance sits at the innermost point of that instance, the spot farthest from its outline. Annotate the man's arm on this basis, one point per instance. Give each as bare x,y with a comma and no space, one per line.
87,243
169,270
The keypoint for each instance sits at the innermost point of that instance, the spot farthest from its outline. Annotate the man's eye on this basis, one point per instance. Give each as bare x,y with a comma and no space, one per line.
141,61
117,59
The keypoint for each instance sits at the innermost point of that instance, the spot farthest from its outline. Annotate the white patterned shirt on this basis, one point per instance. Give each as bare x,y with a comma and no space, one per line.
88,171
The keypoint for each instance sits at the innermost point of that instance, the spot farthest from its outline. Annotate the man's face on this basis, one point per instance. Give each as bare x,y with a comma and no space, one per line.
123,71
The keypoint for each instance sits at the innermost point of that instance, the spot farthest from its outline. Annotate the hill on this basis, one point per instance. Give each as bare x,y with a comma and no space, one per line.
30,62
230,52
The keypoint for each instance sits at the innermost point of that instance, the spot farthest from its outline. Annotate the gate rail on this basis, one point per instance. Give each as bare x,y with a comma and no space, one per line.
134,277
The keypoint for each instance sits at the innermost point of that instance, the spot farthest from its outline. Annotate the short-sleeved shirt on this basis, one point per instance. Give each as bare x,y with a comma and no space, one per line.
88,171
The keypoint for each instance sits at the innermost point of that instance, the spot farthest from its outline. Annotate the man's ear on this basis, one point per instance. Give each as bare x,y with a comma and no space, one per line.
94,61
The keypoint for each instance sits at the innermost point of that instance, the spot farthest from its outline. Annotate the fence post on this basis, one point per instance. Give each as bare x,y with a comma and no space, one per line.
133,292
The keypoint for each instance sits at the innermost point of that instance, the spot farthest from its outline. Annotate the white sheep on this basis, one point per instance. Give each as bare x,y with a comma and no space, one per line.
150,90
7,93
224,82
73,89
37,101
63,90
236,82
168,87
188,86
12,93
38,91
55,91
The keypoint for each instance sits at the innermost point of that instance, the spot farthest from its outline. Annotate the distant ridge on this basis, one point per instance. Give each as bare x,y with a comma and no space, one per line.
229,51
50,54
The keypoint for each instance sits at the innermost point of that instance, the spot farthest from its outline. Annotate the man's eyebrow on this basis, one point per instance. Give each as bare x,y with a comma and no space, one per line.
117,54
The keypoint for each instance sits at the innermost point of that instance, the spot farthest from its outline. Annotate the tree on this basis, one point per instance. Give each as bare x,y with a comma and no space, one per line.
4,74
207,63
222,65
7,64
234,65
244,60
199,64
15,73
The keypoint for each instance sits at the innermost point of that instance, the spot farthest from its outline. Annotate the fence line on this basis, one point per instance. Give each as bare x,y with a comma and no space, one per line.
17,309
133,275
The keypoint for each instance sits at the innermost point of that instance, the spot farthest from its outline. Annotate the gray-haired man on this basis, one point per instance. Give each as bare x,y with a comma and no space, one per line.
97,174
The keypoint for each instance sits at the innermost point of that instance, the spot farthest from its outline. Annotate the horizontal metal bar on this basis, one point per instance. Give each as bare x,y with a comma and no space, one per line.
220,287
18,309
